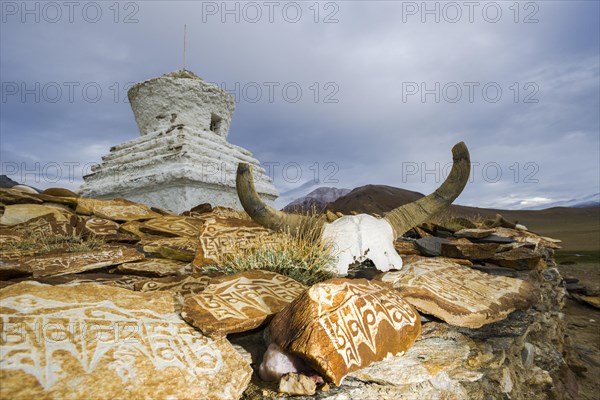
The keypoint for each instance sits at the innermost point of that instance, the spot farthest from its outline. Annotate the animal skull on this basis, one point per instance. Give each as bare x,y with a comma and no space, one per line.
355,238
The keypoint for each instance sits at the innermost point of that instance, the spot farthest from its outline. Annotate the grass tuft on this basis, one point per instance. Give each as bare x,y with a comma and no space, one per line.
304,258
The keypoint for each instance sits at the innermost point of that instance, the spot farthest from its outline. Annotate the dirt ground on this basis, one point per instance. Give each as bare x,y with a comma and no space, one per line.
583,324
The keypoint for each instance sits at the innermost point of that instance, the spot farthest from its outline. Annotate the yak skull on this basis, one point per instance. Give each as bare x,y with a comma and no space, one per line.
355,238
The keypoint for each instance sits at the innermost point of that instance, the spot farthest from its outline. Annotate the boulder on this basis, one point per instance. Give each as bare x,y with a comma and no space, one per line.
240,302
91,341
342,325
520,258
13,196
60,192
460,295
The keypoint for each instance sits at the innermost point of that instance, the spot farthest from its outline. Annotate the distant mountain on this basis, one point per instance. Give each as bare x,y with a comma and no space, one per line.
6,182
373,199
592,200
316,200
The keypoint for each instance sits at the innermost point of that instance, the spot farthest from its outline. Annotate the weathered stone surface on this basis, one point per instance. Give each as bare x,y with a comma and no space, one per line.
183,286
115,210
406,248
438,354
474,233
462,248
224,236
522,236
46,226
460,295
99,278
520,258
13,196
19,213
593,301
431,246
240,302
177,248
70,263
91,341
297,384
155,267
341,325
60,192
100,227
173,226
410,259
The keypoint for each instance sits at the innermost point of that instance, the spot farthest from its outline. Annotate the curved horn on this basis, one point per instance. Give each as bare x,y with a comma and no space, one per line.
268,216
410,215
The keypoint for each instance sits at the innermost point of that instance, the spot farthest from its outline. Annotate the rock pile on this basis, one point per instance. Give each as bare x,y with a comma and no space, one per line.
112,299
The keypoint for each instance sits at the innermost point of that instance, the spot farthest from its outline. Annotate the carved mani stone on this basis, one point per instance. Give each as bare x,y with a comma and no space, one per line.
240,302
341,325
460,295
100,342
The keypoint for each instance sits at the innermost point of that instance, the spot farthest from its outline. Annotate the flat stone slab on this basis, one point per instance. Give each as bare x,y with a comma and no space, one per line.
520,258
71,263
225,236
19,213
474,233
431,246
463,248
13,196
460,295
99,278
173,226
99,342
435,355
183,286
240,302
100,227
155,267
342,325
176,248
115,210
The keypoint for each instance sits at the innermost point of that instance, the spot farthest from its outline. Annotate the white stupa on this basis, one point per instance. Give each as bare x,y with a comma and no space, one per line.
182,157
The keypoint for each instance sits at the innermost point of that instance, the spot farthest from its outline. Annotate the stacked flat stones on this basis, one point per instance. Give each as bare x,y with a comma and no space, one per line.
139,316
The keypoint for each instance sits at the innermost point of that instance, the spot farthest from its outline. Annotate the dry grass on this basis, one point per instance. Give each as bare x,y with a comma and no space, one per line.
304,258
42,242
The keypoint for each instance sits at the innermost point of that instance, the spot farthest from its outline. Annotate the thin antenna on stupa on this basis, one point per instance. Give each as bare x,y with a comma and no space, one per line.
184,43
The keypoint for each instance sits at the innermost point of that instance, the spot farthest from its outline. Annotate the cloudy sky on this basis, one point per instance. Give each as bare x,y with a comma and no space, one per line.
363,92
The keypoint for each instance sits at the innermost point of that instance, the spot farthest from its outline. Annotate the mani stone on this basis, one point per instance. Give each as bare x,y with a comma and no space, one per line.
220,237
100,342
460,295
173,226
182,157
240,302
115,210
154,267
18,213
71,263
175,248
342,325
